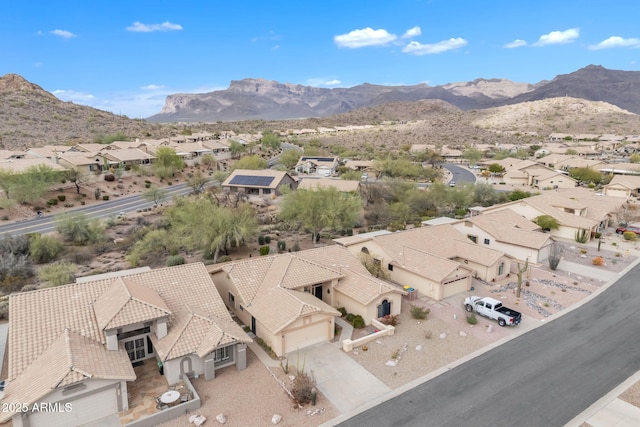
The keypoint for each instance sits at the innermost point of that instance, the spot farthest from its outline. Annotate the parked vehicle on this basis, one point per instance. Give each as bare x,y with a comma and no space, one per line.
622,230
452,183
493,309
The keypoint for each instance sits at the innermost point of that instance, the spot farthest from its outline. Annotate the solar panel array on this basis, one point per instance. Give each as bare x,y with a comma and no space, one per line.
319,159
257,181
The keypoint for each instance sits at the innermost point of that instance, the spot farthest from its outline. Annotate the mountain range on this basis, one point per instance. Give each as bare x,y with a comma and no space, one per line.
251,99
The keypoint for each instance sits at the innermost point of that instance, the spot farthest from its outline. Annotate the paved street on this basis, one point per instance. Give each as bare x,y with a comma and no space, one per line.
544,377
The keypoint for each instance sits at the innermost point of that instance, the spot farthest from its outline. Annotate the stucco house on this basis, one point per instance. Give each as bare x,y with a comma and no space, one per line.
342,185
261,182
438,261
508,232
323,166
574,209
76,343
623,186
289,300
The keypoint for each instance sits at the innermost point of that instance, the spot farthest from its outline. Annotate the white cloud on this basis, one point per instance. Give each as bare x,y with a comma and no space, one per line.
63,33
319,81
416,48
73,96
515,43
558,37
412,32
139,27
615,41
151,87
332,83
364,37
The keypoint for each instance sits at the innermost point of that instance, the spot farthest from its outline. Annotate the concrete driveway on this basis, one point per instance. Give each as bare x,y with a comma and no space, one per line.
341,379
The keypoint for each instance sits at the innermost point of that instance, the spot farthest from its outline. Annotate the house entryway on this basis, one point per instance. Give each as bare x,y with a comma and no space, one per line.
384,309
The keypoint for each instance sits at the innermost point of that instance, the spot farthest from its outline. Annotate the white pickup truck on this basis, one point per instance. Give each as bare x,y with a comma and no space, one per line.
493,309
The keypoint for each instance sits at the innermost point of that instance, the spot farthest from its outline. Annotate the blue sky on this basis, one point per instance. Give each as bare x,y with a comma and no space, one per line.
126,56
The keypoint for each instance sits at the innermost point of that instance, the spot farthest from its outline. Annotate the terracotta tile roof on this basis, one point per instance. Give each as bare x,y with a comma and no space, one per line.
127,154
21,165
69,359
38,318
126,302
199,334
631,182
509,227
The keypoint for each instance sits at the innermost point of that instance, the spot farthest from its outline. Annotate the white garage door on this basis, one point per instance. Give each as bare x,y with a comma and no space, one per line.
455,287
84,410
304,337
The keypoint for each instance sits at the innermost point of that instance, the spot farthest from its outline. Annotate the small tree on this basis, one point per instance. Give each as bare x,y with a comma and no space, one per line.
546,222
44,248
58,273
155,195
197,182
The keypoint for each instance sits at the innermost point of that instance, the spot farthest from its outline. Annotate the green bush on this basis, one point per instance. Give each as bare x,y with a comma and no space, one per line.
62,197
349,317
175,260
261,240
472,319
267,239
282,245
52,202
44,248
358,322
224,258
264,250
418,312
105,197
629,235
343,311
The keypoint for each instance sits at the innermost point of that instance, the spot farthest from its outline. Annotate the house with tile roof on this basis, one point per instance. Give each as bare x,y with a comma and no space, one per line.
508,232
129,156
313,165
574,209
260,182
288,300
76,344
438,261
623,186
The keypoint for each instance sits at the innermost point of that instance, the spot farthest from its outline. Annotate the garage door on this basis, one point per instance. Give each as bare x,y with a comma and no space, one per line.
86,409
304,337
455,287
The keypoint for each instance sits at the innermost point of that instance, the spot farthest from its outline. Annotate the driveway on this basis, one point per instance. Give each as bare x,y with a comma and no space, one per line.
342,380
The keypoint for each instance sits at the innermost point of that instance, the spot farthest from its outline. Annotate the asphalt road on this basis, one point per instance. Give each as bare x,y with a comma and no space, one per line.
98,210
543,378
459,174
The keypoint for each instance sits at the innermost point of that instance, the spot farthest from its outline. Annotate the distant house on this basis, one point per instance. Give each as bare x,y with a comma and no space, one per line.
288,300
76,343
438,261
323,166
85,162
508,232
129,157
261,182
22,165
623,186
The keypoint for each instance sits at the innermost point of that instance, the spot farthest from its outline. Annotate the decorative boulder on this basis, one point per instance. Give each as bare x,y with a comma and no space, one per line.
276,419
221,418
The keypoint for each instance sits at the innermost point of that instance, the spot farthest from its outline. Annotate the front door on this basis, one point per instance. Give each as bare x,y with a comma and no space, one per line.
384,308
136,348
317,291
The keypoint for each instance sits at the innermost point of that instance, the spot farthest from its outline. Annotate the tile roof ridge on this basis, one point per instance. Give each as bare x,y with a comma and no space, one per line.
188,317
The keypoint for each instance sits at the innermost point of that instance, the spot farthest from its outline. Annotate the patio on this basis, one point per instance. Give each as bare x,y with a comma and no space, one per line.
142,392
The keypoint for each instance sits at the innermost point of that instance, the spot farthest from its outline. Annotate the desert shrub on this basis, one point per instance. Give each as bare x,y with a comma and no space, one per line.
58,273
224,258
79,257
52,202
349,317
629,235
62,197
29,288
418,312
358,322
78,229
4,309
618,254
282,245
264,250
105,197
597,235
110,177
343,311
44,248
266,347
583,251
175,260
267,239
472,319
390,320
304,386
597,260
261,240
17,245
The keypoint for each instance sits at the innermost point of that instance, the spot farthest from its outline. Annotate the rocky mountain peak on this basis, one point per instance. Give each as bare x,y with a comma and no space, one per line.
15,83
